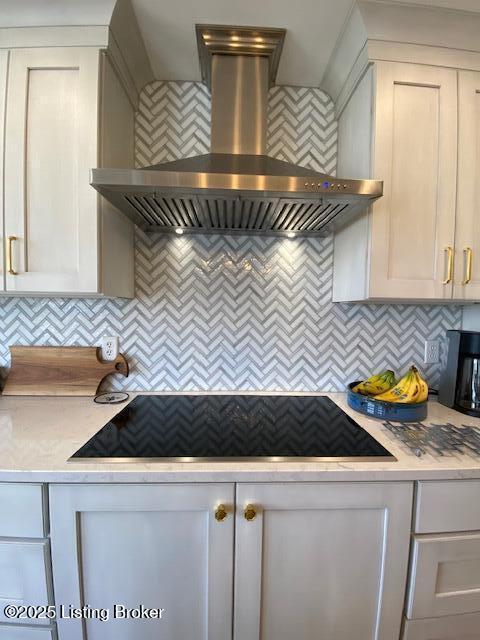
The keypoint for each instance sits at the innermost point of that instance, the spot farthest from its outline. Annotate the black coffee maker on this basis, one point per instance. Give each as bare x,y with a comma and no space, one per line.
460,381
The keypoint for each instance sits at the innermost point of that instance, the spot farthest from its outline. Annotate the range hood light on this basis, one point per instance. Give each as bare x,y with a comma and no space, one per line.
179,231
291,234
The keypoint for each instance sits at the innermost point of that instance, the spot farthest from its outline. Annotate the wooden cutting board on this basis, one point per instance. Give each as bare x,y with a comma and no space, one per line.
59,371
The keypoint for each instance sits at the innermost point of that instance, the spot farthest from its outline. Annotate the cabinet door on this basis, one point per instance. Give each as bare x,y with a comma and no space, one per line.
447,505
17,632
322,561
413,224
24,577
23,509
467,285
448,628
50,146
3,93
445,575
159,546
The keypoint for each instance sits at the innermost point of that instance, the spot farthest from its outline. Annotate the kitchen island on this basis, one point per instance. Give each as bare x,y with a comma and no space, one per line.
377,550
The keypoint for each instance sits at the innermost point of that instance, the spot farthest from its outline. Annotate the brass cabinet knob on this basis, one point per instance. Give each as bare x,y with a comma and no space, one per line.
249,512
220,513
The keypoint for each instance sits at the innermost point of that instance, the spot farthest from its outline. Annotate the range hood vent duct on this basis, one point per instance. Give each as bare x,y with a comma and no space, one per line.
236,188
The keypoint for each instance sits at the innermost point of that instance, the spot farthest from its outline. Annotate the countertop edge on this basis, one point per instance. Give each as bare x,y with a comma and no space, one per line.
206,476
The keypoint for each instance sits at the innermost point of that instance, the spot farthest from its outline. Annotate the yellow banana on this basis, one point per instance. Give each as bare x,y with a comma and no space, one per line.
410,389
377,384
404,391
399,391
417,381
423,395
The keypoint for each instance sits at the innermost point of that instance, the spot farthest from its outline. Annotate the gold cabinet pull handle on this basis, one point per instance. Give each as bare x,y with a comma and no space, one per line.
468,271
249,512
10,268
220,513
449,277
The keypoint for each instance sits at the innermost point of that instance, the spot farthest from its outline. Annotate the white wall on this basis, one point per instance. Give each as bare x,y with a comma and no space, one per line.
471,318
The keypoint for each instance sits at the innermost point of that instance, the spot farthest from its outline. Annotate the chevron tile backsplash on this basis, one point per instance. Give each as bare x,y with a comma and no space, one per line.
236,312
173,122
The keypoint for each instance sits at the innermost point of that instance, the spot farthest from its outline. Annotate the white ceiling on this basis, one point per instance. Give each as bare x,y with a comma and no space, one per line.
313,27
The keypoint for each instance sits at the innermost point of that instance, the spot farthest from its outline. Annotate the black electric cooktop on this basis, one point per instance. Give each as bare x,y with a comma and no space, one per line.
191,428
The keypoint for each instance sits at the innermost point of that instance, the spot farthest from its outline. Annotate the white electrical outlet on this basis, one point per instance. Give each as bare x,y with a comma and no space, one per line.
109,347
432,352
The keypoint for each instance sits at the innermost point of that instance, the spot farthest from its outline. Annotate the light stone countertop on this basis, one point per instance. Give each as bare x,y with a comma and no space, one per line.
39,434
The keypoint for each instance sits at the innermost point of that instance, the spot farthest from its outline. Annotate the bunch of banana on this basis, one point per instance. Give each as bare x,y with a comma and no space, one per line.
412,388
376,384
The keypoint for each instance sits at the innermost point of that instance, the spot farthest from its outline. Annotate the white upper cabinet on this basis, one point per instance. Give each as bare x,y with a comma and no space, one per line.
50,145
413,224
68,96
406,86
3,94
404,247
66,111
467,244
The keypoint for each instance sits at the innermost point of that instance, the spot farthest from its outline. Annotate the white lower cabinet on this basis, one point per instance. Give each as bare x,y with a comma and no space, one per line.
465,627
443,600
445,576
312,560
447,506
23,509
321,561
160,546
24,575
16,632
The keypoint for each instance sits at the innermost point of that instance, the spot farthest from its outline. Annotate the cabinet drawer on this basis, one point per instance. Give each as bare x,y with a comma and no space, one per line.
22,511
23,576
465,627
17,632
448,506
445,576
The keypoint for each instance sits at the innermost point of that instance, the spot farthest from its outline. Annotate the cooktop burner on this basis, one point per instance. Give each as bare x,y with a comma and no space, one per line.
192,428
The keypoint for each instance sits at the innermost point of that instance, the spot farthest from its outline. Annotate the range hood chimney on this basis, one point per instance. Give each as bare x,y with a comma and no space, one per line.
236,188
239,105
238,65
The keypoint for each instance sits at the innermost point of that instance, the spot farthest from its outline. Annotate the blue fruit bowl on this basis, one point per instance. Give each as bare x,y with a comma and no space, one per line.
394,411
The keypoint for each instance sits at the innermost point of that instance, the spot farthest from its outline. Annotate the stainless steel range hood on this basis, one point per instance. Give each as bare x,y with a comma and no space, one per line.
236,187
